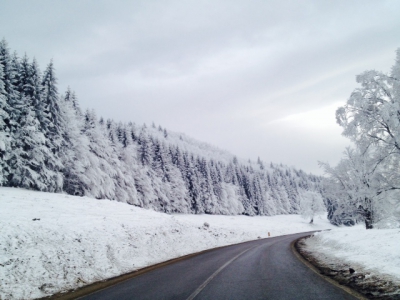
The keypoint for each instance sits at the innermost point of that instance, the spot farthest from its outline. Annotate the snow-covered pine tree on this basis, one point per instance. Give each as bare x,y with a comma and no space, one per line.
8,108
6,88
179,197
70,96
145,149
124,184
74,151
148,167
4,131
129,165
133,131
208,199
216,179
101,172
30,155
192,182
52,119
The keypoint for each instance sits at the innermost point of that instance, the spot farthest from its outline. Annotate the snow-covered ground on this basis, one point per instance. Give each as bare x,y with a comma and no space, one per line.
54,242
375,251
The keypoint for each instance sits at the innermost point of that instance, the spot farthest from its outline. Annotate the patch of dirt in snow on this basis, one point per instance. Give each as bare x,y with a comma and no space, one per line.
370,284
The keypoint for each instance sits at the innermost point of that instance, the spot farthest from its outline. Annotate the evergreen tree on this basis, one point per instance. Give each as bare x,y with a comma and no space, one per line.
124,138
29,155
101,171
50,100
4,131
208,198
71,97
145,147
74,152
7,89
47,143
193,185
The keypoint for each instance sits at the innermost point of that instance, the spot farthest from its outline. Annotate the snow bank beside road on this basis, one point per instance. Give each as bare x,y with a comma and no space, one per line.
376,251
54,242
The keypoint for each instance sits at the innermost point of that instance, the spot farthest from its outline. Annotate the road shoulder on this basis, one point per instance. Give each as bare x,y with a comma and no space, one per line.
360,284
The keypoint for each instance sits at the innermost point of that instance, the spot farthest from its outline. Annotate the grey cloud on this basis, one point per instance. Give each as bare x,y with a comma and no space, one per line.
216,70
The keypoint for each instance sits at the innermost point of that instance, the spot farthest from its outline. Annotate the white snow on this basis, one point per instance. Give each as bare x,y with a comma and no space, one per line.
55,242
79,240
375,250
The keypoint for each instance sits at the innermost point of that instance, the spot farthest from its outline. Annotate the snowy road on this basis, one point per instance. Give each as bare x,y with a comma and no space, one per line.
262,269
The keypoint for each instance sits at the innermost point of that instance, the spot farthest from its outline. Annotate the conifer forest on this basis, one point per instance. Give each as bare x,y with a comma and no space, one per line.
48,143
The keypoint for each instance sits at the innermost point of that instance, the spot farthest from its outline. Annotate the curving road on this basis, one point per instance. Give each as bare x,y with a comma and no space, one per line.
262,269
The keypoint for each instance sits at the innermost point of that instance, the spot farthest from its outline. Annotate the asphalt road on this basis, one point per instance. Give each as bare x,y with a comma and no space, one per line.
262,269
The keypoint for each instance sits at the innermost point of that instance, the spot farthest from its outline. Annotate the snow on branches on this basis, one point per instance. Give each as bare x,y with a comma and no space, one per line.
47,143
365,184
311,204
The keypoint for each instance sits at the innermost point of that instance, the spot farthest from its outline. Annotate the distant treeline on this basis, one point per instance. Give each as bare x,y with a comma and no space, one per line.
47,143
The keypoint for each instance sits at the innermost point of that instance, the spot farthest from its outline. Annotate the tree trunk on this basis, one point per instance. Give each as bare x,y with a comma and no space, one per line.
367,214
368,220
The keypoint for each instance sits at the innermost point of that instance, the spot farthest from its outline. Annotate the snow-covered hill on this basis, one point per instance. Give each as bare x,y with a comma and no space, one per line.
189,144
52,242
47,143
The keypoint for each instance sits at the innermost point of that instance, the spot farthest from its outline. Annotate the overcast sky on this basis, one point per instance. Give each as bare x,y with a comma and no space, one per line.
256,78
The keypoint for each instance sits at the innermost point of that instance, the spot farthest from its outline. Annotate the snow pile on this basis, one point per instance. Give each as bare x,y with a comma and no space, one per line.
374,250
54,242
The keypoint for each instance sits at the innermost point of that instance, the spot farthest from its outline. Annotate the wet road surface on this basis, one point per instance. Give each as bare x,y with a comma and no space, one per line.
262,269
